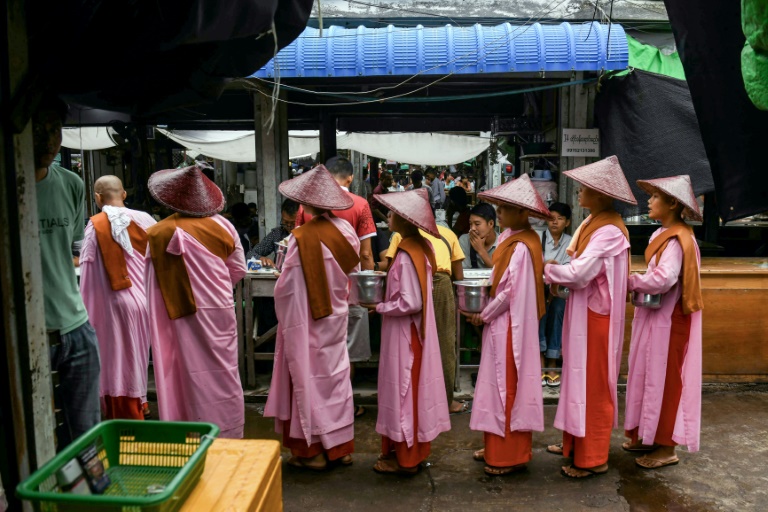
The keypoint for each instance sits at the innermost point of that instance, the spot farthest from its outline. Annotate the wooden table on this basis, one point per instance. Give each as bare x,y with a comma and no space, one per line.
239,475
735,326
255,286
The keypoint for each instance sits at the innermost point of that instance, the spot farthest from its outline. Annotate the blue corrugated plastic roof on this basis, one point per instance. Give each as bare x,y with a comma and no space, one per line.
504,48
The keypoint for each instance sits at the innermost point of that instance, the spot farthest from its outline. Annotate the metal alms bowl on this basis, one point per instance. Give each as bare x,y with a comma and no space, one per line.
561,291
472,296
644,300
280,252
370,286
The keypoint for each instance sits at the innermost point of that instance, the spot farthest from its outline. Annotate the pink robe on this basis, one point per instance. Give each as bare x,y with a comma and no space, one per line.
402,307
515,304
649,350
120,318
311,355
195,357
598,281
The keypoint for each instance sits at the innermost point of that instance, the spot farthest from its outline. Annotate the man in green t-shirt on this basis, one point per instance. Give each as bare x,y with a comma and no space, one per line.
61,209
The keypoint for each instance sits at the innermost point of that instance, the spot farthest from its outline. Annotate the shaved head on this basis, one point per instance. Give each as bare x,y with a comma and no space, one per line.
109,190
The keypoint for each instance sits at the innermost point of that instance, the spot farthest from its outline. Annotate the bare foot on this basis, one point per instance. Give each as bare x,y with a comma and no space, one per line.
479,455
557,449
316,463
346,460
575,472
460,407
629,446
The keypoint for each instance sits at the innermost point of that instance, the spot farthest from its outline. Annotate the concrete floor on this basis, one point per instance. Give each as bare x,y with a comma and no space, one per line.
730,473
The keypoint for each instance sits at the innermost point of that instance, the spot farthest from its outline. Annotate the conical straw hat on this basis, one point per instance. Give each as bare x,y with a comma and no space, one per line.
317,188
604,176
413,206
186,191
520,193
678,187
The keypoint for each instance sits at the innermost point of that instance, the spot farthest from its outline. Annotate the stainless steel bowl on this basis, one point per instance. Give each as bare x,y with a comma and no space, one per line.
370,286
644,300
560,291
472,296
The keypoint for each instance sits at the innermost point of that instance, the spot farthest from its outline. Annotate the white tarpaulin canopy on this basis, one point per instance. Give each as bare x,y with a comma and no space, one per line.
89,138
412,148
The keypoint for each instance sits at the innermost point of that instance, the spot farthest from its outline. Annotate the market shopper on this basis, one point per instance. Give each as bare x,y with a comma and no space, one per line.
196,259
437,186
593,330
554,241
481,241
413,409
663,406
378,210
112,270
266,248
61,211
457,215
448,259
311,393
508,403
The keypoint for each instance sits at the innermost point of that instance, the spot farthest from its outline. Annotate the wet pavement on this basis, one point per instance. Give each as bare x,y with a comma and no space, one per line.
729,473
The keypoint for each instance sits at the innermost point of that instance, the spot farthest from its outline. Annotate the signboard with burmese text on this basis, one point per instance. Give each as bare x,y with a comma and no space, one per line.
580,143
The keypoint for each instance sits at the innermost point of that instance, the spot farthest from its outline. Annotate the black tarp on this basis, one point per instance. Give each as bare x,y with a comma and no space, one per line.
735,133
648,121
144,57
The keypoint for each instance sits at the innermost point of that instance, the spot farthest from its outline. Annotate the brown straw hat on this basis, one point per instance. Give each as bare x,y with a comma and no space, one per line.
413,206
317,188
186,191
606,177
519,193
678,187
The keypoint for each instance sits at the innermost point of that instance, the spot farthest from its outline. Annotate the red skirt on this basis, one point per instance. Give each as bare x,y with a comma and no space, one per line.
418,452
592,449
673,383
122,408
515,447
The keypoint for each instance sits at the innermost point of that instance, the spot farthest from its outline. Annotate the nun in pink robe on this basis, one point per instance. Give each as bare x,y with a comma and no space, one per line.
120,318
649,350
311,391
195,357
411,413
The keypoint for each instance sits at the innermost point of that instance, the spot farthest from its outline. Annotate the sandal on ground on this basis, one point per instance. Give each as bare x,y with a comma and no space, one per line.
649,463
553,382
359,411
496,471
637,448
298,462
345,460
544,379
557,449
479,455
382,467
590,472
465,408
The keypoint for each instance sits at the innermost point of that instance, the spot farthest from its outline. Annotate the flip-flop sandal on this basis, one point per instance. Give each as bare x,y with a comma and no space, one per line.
360,411
590,473
466,407
398,470
556,449
479,455
496,471
296,462
345,460
656,464
627,447
544,378
553,382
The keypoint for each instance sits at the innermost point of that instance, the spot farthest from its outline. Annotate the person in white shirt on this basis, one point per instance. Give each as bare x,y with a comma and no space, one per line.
555,241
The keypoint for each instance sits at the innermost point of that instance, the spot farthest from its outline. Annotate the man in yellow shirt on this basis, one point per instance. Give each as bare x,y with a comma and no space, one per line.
449,258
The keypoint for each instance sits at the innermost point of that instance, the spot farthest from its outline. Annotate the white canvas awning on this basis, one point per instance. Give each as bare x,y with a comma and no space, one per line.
88,138
412,148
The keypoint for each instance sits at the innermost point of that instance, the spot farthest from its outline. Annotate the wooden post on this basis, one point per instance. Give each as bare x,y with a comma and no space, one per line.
25,381
327,137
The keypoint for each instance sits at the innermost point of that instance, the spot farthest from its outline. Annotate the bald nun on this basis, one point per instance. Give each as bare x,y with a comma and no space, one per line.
112,265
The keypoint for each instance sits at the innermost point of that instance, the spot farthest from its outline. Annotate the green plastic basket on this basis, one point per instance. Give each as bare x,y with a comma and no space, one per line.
136,455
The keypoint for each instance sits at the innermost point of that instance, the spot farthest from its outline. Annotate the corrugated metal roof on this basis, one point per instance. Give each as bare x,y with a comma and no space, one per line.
477,49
